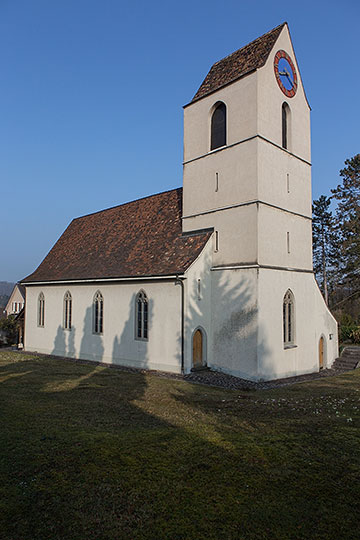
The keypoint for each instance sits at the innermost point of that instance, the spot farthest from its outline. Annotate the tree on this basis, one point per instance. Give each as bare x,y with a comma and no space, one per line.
348,222
10,328
325,248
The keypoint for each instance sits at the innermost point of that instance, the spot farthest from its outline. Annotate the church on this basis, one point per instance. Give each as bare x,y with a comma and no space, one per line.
217,273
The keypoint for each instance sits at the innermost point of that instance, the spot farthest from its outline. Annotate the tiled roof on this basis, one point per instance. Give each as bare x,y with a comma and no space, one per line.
21,289
239,63
140,238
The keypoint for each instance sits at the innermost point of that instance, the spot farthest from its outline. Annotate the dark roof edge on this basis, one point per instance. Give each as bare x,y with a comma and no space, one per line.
104,279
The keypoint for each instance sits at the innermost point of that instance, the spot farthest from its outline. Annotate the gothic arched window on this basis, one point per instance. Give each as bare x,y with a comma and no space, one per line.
218,126
41,309
98,312
141,330
289,319
67,310
285,122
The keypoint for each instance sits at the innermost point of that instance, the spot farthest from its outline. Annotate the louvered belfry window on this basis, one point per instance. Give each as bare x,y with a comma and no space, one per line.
218,127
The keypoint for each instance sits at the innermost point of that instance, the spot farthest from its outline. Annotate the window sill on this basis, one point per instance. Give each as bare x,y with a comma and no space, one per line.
290,346
217,149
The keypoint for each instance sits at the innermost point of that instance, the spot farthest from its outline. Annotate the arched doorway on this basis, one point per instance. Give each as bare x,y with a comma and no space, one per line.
198,349
321,353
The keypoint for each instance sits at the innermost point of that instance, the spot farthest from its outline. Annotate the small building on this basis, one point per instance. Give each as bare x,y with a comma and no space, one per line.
16,301
217,273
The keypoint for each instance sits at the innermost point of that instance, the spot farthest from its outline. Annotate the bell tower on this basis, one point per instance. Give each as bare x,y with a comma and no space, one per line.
247,174
247,170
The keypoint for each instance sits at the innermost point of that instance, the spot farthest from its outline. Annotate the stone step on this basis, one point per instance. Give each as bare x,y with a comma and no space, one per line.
345,363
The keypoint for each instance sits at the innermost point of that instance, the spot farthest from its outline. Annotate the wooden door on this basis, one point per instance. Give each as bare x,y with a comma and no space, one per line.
321,353
197,349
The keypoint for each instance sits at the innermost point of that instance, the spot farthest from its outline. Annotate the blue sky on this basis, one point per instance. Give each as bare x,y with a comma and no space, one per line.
91,96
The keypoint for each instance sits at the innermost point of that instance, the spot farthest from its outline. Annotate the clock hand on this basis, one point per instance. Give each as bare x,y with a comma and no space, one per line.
289,79
286,74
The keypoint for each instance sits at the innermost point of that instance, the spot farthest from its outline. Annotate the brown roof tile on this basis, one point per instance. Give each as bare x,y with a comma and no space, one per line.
140,238
239,63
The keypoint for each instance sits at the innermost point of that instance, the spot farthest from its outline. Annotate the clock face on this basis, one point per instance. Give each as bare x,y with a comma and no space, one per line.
285,73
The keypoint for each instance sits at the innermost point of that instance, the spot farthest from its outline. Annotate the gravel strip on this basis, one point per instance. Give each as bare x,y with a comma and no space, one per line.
209,377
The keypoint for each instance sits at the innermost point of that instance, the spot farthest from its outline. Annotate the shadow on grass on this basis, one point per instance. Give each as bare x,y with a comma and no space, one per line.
133,456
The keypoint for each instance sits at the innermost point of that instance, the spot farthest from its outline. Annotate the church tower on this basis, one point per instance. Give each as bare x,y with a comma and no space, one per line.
247,174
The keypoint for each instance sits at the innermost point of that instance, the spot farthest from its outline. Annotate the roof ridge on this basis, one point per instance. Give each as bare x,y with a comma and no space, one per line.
128,202
250,43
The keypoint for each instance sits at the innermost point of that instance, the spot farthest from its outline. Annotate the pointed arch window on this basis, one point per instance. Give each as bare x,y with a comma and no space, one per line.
98,313
41,309
218,126
289,319
141,330
285,123
67,310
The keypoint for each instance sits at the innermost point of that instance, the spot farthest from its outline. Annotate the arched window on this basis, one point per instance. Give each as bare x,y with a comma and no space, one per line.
218,126
67,310
98,312
289,319
141,330
41,309
285,120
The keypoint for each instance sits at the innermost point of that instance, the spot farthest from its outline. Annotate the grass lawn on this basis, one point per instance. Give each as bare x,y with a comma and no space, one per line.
88,452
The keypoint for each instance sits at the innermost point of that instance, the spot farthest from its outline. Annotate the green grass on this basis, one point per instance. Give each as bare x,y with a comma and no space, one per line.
88,452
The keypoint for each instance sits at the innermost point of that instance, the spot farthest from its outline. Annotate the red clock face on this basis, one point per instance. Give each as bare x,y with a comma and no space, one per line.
285,73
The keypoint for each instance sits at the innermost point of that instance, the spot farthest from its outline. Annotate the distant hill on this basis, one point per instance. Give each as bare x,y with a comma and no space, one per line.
5,290
6,287
3,300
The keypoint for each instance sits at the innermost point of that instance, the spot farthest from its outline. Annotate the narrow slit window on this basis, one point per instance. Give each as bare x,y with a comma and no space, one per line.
41,309
288,241
67,310
288,319
285,117
216,181
142,316
98,312
216,240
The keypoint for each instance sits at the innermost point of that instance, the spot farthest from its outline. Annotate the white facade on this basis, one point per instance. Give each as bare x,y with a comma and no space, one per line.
256,195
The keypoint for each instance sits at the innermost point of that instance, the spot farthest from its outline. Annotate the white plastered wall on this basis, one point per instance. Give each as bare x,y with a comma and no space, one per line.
312,320
271,98
284,239
117,344
234,322
237,234
198,305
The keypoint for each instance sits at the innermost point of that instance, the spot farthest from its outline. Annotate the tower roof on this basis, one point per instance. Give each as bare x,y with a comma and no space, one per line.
239,63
